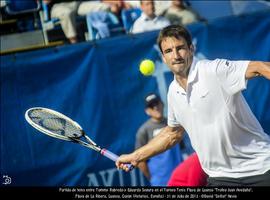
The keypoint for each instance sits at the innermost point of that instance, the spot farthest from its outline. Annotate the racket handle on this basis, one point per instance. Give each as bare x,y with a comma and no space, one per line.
114,157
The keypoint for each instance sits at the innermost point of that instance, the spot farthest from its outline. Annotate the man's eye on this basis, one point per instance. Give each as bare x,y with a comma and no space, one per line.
180,48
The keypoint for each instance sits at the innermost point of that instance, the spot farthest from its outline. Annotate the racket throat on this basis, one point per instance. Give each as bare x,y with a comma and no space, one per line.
88,139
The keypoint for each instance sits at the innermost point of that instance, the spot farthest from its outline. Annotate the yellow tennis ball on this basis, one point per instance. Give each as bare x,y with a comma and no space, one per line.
147,67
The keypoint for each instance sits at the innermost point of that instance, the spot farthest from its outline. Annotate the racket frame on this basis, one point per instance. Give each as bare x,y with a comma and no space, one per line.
91,144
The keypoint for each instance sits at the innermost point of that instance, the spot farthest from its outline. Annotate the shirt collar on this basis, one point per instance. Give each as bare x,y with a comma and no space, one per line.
191,76
146,18
193,70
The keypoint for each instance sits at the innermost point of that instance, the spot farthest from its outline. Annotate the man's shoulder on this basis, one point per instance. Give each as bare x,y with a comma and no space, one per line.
212,65
138,24
162,19
138,20
206,68
206,64
203,62
144,126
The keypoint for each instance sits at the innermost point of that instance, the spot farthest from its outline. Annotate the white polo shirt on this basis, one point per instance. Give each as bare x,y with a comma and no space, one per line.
227,137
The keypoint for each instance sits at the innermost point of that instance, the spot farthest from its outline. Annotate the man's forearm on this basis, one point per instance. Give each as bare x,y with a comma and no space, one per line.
265,69
258,69
163,141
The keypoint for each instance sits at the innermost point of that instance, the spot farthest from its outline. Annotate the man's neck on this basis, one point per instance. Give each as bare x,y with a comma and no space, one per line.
182,79
157,120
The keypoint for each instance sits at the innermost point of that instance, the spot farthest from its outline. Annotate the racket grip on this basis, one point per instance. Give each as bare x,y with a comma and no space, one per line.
114,157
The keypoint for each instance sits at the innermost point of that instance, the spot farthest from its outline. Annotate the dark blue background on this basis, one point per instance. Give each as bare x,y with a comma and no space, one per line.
99,86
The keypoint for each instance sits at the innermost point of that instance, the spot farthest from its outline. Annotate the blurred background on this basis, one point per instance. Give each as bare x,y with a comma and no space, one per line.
82,58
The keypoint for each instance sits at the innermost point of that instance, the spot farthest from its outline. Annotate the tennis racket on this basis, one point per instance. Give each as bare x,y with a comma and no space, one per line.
59,126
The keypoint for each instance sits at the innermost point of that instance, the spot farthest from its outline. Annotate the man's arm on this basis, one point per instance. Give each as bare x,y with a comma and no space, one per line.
256,68
145,170
168,137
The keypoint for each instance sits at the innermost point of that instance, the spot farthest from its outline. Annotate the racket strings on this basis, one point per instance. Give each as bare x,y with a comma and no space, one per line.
55,123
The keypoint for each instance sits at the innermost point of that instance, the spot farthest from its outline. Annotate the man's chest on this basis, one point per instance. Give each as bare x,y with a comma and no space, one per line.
202,101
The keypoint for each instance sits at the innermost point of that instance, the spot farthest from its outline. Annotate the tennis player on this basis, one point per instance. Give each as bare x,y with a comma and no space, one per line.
205,100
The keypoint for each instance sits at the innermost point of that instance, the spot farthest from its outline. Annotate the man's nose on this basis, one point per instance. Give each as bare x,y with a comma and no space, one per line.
176,54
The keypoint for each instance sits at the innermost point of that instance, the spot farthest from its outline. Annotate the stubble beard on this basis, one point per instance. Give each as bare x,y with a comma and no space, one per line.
182,71
186,68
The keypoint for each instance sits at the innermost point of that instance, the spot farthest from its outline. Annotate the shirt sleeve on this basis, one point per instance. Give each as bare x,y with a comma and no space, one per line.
231,75
172,121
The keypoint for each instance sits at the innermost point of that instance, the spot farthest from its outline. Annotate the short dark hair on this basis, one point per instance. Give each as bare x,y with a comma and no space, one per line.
176,31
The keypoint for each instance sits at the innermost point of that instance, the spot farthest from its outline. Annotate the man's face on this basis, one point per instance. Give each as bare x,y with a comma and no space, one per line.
148,8
155,110
177,55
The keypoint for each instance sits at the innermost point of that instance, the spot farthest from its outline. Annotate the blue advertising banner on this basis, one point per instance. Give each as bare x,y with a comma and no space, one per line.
99,85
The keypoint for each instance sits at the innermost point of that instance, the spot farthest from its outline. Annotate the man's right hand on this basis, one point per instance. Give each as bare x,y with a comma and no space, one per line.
126,159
